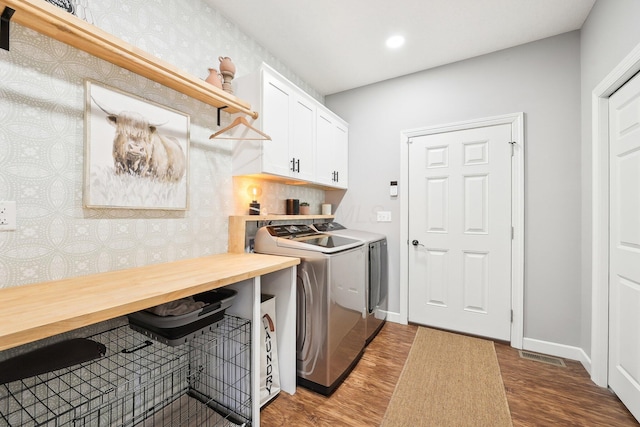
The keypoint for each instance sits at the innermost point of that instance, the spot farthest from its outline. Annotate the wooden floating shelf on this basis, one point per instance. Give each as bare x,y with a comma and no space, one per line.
58,24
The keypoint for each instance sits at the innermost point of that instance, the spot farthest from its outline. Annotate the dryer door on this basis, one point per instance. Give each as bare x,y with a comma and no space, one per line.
378,275
310,334
347,310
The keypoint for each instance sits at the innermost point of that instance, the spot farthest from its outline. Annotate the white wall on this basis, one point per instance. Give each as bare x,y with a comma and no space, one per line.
41,148
610,32
541,79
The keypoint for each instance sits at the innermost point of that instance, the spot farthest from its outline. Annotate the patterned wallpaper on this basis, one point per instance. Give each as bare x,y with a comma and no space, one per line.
42,145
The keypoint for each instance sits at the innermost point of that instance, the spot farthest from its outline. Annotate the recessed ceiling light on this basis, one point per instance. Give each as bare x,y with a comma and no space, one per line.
395,42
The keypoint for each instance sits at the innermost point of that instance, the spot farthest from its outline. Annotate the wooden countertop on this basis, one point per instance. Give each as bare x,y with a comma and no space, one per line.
32,312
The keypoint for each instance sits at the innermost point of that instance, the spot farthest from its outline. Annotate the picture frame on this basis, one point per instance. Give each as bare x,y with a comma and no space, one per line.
68,5
136,152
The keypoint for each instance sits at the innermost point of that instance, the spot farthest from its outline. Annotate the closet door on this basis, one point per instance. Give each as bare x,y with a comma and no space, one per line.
624,276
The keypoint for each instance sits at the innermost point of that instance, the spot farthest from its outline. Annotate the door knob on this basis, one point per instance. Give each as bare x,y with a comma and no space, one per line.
416,243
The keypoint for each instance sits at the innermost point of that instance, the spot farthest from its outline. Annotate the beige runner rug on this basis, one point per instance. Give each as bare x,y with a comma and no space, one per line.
449,380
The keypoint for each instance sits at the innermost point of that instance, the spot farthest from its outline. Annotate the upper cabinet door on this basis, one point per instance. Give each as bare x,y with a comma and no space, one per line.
302,145
277,109
332,139
325,171
342,154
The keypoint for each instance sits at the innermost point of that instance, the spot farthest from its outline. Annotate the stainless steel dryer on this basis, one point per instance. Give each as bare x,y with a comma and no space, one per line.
377,278
330,289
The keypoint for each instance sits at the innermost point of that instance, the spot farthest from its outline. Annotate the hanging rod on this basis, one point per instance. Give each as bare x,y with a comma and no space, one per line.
5,19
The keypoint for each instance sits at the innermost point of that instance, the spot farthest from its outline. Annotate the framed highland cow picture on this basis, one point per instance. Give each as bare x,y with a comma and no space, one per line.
136,152
68,5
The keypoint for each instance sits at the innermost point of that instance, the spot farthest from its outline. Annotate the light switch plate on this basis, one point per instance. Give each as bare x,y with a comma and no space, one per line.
384,216
393,188
7,216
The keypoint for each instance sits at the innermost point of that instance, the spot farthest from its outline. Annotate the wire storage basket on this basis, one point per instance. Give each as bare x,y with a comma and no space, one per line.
142,383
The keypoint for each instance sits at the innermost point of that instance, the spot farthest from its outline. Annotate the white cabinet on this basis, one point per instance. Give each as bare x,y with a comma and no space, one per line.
309,143
288,116
332,149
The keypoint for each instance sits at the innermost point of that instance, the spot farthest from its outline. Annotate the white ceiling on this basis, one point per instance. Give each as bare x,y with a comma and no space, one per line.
336,45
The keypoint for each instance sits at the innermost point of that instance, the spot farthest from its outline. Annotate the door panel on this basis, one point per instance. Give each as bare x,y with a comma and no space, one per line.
476,281
460,218
437,204
624,279
437,277
475,153
476,204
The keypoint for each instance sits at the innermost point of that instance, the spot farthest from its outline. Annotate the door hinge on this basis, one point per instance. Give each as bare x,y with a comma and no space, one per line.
511,316
513,232
513,144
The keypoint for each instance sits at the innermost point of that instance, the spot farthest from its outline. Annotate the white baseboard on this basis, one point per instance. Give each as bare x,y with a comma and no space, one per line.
396,318
558,350
530,344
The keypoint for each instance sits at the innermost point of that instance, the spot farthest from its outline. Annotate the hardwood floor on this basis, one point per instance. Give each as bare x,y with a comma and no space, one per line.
545,395
539,394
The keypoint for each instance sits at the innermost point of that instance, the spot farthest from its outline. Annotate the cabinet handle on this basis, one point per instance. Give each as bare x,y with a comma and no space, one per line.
293,164
337,176
298,165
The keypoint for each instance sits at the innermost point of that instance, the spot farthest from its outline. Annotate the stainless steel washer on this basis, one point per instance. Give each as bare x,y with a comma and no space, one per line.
330,291
377,278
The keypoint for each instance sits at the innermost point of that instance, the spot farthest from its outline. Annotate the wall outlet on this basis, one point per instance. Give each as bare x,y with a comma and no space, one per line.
7,216
384,216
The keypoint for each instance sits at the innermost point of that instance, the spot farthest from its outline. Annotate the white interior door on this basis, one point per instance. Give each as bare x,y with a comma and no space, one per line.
624,271
460,227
